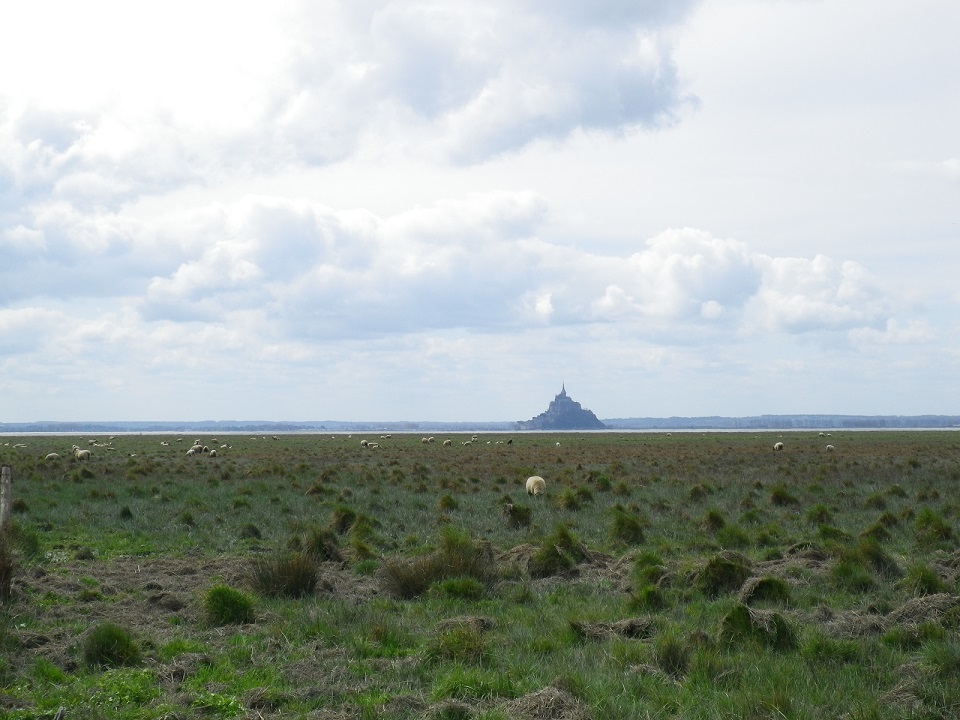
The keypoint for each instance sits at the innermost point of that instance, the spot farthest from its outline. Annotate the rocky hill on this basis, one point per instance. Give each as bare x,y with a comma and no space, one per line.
563,414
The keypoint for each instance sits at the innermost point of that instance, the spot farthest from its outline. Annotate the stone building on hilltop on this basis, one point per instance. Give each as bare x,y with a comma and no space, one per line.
563,414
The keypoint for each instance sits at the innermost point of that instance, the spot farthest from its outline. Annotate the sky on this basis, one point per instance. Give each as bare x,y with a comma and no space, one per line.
434,210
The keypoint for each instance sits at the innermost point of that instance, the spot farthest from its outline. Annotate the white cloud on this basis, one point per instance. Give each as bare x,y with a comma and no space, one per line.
472,263
478,198
478,78
801,295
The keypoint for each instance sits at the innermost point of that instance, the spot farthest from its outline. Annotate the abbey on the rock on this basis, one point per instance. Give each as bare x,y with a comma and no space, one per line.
563,414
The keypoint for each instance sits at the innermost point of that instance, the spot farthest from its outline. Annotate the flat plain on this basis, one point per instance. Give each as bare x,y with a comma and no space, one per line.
661,575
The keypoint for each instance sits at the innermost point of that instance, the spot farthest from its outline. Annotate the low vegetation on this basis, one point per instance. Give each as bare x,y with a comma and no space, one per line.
680,575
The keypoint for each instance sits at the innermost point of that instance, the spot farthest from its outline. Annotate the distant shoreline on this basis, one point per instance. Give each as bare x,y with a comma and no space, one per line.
712,423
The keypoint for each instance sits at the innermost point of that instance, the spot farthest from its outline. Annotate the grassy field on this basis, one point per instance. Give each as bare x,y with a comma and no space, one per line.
682,575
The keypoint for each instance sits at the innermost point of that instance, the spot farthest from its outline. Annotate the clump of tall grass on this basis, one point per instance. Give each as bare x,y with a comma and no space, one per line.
672,653
517,516
930,528
456,556
873,553
558,553
292,575
732,536
713,520
342,519
109,645
568,499
723,573
920,579
648,598
820,649
626,527
225,605
447,502
320,543
765,590
766,628
781,496
463,643
943,658
819,514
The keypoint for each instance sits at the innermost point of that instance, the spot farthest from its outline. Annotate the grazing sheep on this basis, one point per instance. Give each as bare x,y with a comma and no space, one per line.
536,485
51,457
830,448
364,443
213,453
81,455
558,444
197,448
191,451
430,439
778,446
447,442
424,440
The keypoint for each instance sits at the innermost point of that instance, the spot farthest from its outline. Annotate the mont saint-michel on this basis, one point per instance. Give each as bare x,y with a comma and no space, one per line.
564,413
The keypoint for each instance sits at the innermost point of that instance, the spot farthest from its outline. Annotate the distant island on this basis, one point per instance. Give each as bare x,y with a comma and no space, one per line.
563,414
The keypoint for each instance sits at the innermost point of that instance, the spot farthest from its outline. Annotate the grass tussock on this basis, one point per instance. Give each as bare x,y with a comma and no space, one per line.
109,645
290,576
745,625
225,605
560,552
723,573
457,556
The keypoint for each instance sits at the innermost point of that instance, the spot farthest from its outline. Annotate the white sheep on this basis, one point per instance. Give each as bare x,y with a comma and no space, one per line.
447,442
364,443
424,440
191,451
213,453
536,485
80,455
51,457
778,446
197,448
830,448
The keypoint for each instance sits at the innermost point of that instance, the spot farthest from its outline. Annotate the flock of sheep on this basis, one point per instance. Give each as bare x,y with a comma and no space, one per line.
778,446
535,485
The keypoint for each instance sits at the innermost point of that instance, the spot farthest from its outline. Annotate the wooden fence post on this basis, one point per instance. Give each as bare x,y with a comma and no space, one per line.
6,495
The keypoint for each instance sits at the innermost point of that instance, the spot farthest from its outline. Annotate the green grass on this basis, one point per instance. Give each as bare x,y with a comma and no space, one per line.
418,580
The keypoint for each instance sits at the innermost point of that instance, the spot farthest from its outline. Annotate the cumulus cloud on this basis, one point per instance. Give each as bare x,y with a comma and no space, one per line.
800,295
468,80
480,263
